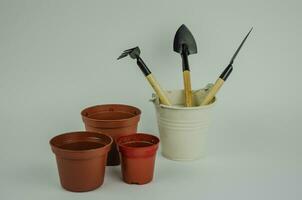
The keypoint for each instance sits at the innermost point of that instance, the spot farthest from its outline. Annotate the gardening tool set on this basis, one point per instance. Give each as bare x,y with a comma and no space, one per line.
111,137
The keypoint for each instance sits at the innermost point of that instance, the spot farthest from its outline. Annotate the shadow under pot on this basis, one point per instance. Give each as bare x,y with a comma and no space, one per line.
81,159
138,153
115,120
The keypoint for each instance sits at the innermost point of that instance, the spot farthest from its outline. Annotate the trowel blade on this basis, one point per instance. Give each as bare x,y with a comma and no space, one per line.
182,37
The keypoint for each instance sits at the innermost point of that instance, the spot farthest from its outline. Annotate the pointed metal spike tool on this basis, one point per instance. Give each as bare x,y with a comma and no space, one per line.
224,75
241,44
134,53
184,43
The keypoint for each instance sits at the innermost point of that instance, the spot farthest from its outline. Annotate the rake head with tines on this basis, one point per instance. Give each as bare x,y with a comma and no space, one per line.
133,53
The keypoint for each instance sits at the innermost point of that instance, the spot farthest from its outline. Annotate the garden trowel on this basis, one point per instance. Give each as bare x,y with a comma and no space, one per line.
184,43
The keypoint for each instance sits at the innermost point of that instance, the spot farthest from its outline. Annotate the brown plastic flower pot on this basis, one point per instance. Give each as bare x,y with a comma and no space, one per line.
81,159
138,153
115,120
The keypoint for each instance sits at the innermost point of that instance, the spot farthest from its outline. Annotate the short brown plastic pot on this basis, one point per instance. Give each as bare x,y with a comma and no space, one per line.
81,159
138,153
115,120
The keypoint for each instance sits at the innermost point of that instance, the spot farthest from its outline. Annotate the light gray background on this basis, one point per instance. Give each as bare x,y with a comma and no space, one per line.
58,57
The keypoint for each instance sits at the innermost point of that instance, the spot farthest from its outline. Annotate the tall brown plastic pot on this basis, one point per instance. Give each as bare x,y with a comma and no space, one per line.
115,120
81,159
138,153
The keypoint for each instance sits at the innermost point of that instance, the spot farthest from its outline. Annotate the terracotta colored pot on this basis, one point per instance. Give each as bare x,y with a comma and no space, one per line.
114,120
81,159
138,154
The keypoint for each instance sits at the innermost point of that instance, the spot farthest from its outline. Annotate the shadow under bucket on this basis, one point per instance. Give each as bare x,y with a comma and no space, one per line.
183,129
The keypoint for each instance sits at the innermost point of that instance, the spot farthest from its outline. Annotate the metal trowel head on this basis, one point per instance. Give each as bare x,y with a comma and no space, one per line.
184,38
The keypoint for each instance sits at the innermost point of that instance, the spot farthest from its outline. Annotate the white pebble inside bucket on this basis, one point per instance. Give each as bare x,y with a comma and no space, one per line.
183,129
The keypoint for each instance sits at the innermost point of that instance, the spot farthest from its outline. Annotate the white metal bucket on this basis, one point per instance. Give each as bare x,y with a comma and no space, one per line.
183,129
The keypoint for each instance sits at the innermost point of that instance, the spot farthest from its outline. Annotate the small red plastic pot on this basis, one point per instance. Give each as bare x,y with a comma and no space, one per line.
138,153
81,159
115,120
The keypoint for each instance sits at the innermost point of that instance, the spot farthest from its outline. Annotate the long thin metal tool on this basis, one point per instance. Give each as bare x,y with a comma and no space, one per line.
224,75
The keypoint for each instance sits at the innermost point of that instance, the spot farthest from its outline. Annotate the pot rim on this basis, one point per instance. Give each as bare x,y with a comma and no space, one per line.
136,148
190,108
139,112
184,108
51,142
155,101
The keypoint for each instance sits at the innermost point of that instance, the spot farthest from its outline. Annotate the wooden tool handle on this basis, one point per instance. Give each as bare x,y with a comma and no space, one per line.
187,88
158,90
213,91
